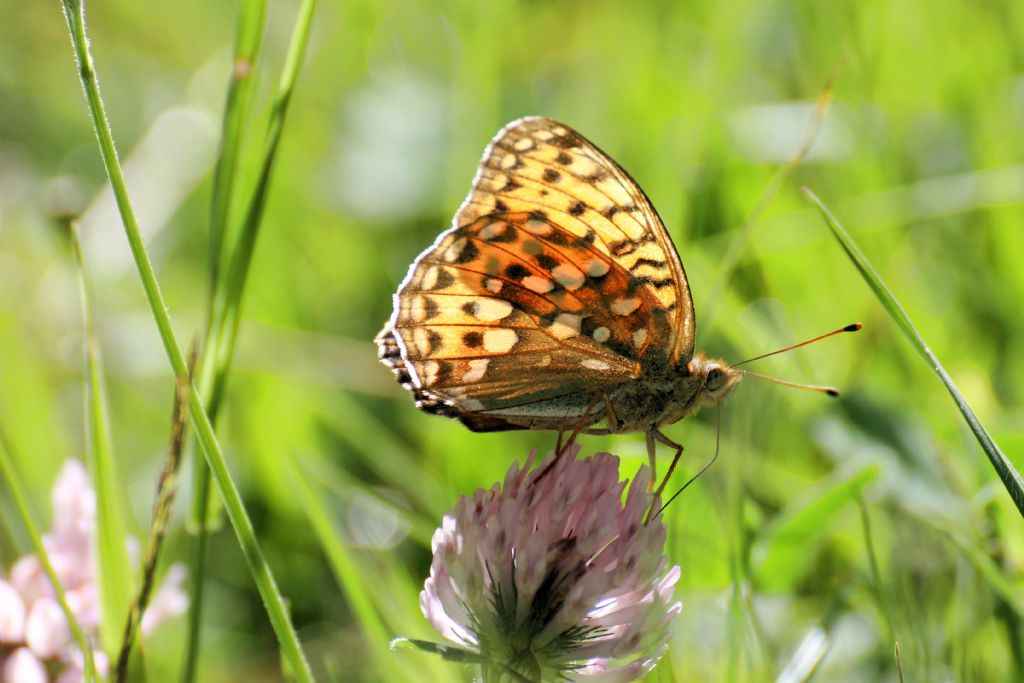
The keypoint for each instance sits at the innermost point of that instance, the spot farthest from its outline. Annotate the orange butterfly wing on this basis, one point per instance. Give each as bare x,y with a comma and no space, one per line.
554,284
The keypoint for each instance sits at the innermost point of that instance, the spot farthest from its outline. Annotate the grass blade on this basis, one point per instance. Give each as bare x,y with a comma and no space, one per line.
16,488
225,301
248,35
229,315
263,576
1010,477
166,489
115,575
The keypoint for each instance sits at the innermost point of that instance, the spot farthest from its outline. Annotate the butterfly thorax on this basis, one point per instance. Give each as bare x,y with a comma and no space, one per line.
667,392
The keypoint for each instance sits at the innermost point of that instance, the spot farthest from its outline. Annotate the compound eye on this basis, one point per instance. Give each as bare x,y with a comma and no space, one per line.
715,379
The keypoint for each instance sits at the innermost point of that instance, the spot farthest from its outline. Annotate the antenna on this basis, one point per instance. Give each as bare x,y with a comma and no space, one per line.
852,327
831,391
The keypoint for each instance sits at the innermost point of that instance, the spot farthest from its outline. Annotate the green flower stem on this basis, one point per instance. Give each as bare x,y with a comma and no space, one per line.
1004,468
16,488
273,601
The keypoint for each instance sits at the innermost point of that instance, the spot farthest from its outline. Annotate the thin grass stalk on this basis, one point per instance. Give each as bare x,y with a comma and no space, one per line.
876,573
16,488
166,488
238,104
225,302
115,574
1010,477
230,314
272,599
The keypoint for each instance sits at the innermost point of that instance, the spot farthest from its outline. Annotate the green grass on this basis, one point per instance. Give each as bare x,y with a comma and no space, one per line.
871,518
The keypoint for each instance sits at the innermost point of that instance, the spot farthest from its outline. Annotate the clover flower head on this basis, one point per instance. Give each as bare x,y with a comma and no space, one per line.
35,639
554,574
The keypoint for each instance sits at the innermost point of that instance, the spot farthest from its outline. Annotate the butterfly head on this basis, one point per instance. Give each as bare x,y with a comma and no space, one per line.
717,379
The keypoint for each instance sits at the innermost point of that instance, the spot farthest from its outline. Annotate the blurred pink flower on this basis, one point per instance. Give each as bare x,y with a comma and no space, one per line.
552,575
35,639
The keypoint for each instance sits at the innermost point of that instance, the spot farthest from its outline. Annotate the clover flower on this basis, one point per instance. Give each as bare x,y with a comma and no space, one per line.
551,575
35,640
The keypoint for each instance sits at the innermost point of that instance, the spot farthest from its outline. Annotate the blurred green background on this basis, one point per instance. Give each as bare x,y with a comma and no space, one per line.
826,531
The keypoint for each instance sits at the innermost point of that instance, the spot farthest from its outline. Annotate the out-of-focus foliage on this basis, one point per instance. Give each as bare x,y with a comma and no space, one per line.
827,529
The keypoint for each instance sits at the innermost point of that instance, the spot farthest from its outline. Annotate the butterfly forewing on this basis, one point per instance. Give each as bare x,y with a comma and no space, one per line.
537,164
555,284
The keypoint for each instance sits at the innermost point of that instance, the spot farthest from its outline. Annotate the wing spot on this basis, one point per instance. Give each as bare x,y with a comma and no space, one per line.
429,279
563,158
477,370
488,310
500,206
611,211
523,144
515,271
431,371
588,238
601,334
641,262
538,226
493,285
559,130
543,135
508,162
595,364
622,247
577,208
551,175
423,309
546,261
538,284
544,361
423,341
473,340
532,247
566,325
493,229
640,337
597,267
569,276
625,306
500,340
461,251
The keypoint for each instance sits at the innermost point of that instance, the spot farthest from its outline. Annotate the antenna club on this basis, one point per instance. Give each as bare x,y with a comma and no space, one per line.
834,393
853,327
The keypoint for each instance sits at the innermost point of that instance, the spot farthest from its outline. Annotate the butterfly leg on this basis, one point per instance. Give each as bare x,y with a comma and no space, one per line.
610,415
558,441
652,459
655,435
560,450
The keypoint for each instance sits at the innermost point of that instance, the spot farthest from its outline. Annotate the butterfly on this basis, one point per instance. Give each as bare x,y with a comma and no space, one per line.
556,301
